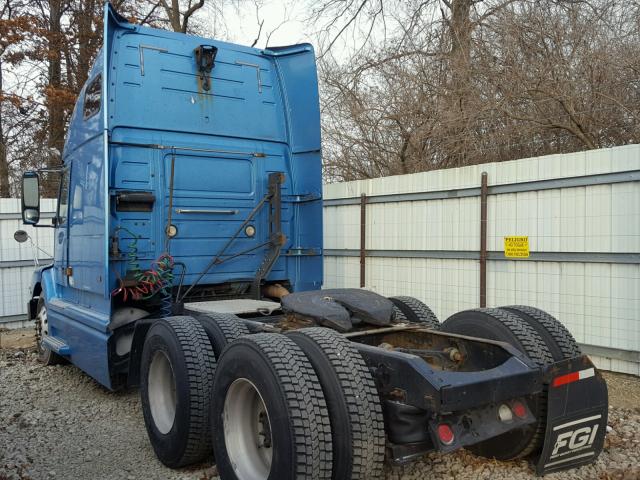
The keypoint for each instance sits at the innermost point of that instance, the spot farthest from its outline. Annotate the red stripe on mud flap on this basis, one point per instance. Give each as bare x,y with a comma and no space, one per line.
573,377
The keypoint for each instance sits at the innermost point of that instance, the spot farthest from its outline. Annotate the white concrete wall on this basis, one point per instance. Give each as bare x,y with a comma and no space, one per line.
598,302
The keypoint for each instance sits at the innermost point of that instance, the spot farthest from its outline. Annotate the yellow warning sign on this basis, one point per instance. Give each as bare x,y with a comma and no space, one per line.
516,247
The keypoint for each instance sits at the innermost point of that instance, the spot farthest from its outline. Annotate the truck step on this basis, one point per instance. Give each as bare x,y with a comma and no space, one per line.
57,345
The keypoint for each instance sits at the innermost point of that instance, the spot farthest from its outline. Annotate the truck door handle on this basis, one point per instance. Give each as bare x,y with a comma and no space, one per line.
218,212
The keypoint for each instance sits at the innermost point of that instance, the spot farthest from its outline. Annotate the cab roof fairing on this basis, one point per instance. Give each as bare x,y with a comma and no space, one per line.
296,84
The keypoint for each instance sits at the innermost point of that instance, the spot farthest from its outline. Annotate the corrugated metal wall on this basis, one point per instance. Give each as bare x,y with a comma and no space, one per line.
17,259
581,212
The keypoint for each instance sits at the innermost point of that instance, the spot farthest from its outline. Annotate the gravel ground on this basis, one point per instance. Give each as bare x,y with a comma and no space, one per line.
57,423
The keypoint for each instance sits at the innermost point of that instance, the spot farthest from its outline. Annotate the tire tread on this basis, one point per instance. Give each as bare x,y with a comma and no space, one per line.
222,329
308,412
532,343
398,316
415,311
200,364
361,398
562,336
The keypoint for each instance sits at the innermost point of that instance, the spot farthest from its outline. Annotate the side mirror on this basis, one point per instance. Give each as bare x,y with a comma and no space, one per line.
30,198
21,236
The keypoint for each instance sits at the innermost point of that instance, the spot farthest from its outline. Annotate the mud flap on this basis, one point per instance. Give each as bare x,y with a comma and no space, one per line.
577,410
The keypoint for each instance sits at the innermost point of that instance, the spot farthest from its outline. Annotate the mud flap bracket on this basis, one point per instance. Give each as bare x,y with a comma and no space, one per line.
277,239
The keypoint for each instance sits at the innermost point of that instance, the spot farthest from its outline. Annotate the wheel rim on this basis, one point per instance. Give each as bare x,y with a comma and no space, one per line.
247,431
162,392
43,327
44,321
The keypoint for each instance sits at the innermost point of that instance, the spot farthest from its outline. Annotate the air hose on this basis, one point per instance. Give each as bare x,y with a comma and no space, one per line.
148,283
165,272
159,278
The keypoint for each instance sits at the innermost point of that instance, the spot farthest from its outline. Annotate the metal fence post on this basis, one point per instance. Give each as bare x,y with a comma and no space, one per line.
363,238
484,190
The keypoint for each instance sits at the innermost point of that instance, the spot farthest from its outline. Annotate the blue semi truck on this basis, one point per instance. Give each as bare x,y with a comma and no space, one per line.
188,262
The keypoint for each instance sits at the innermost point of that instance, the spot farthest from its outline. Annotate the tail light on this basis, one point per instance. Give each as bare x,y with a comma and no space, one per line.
519,409
445,434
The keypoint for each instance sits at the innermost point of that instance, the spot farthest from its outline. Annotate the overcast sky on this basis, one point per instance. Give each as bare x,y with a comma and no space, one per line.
286,22
283,19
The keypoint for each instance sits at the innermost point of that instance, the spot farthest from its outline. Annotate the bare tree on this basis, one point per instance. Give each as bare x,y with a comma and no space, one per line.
14,118
180,14
481,81
566,69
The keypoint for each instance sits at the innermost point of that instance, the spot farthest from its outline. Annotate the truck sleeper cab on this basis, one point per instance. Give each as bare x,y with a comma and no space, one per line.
188,262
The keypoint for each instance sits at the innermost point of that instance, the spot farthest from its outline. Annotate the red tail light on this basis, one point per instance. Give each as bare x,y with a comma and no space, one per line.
518,409
445,434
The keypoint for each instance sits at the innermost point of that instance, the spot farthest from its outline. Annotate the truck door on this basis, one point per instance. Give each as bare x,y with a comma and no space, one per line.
61,236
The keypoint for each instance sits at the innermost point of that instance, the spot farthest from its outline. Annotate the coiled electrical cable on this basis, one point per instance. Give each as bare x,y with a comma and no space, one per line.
165,274
148,283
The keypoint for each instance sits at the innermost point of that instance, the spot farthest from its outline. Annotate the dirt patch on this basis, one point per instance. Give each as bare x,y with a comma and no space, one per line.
20,338
624,390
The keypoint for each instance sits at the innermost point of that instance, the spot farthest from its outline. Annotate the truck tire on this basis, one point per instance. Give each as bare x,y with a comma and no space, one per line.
416,311
176,378
398,316
222,328
357,424
45,354
501,325
269,415
561,343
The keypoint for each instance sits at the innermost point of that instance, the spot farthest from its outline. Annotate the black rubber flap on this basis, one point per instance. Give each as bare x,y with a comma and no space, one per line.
336,308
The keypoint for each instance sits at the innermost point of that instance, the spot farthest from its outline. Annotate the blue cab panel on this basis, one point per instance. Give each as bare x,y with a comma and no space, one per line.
201,148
